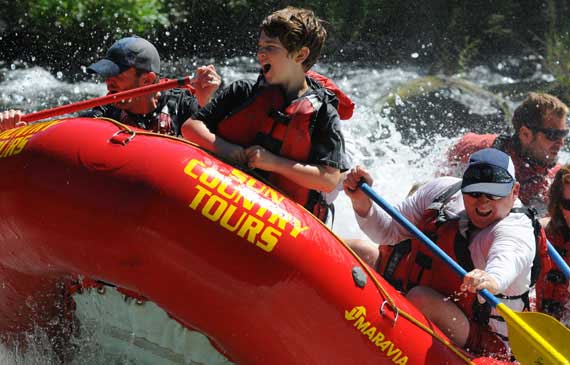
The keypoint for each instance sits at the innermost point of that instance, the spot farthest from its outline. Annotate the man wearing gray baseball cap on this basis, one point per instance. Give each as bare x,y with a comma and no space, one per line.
133,62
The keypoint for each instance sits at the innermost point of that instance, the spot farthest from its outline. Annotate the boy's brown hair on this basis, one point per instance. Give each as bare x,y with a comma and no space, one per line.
535,108
297,28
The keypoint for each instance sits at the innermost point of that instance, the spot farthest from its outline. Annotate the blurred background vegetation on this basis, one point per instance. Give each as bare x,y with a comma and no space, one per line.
444,36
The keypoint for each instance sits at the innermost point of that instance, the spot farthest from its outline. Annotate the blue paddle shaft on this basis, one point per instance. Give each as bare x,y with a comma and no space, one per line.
558,260
398,217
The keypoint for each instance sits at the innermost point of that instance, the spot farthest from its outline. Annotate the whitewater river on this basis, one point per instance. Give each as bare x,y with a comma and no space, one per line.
397,156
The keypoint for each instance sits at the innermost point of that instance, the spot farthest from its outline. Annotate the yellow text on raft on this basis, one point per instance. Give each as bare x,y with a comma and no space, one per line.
243,205
358,316
13,141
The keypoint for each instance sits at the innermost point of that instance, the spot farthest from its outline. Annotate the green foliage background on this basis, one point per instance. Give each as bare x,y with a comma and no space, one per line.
443,35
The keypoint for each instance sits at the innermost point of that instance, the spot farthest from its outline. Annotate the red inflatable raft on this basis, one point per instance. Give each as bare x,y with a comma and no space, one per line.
218,250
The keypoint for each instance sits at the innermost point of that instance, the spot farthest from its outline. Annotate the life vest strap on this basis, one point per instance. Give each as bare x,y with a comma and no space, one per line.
425,263
399,251
532,214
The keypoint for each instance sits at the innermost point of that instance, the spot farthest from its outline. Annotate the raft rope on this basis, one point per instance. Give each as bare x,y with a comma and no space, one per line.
388,299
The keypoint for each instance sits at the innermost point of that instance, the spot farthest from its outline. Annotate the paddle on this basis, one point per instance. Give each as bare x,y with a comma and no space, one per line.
103,100
558,260
550,347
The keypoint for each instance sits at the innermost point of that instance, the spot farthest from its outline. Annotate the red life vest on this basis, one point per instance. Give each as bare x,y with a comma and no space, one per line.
418,265
283,130
345,106
553,284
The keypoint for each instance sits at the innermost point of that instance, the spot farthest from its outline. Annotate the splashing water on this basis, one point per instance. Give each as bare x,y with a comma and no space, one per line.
372,140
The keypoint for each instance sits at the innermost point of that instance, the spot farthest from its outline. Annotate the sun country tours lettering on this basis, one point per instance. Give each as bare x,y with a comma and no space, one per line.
13,141
358,316
243,205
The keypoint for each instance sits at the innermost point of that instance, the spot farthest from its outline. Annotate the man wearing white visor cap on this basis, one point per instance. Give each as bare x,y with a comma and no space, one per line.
479,222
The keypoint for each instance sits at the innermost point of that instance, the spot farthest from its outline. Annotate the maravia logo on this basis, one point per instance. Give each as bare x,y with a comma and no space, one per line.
358,316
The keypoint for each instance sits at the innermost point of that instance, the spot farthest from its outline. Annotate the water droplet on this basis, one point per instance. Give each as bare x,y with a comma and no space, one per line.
59,75
415,55
398,100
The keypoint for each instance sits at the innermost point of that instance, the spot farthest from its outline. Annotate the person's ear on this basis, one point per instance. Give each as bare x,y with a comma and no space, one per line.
302,54
516,190
526,135
149,78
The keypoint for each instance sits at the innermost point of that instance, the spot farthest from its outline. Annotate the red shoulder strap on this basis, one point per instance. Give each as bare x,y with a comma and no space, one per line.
345,105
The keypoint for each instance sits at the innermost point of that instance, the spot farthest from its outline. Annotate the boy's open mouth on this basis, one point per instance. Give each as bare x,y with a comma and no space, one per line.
265,68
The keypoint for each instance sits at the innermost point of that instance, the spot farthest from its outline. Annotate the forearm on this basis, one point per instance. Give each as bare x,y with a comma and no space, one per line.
204,97
506,269
383,229
197,132
316,177
362,206
510,260
380,227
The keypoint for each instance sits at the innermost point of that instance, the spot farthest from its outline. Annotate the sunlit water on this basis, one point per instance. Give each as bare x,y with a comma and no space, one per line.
371,140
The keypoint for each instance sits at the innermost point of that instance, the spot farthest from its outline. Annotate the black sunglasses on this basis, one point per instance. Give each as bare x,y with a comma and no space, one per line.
477,195
552,134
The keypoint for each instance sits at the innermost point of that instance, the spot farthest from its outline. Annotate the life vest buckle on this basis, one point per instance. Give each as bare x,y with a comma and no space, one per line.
279,116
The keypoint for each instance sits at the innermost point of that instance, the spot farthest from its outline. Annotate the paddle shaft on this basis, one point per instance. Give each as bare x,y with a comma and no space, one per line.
558,260
107,99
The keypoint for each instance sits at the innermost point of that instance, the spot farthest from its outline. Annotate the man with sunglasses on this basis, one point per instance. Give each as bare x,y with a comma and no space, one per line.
540,128
477,220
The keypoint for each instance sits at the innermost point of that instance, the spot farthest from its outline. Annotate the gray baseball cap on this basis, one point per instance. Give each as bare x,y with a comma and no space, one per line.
126,53
489,171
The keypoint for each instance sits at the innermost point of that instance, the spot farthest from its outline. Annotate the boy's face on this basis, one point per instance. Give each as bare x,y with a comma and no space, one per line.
276,63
